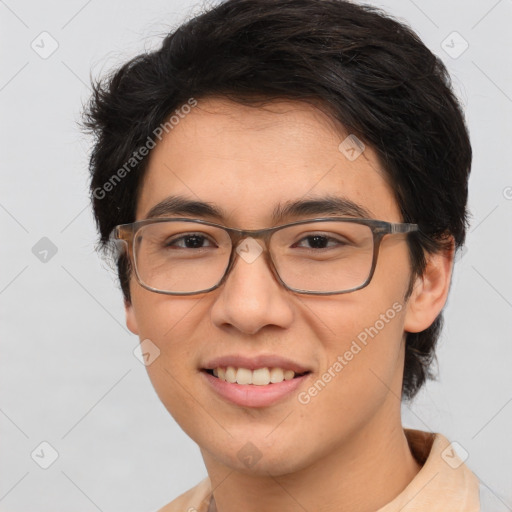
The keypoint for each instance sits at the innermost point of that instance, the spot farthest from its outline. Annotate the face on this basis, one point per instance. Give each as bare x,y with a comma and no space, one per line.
246,161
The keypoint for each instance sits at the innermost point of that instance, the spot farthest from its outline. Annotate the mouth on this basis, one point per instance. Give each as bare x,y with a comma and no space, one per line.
257,377
259,387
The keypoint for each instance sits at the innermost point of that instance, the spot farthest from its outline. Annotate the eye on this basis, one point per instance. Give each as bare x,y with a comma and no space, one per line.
318,241
189,241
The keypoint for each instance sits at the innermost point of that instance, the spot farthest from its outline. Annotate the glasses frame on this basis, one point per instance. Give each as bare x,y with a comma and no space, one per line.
124,234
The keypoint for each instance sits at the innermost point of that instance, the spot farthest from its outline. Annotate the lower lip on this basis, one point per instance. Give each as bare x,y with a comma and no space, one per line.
251,395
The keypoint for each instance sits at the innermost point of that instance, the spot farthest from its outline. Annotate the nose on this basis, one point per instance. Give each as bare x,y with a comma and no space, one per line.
251,297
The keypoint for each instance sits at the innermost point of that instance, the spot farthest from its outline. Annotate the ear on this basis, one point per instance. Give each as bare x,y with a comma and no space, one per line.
430,290
131,319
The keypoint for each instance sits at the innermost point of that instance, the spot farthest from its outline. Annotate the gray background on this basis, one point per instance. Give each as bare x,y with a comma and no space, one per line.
68,375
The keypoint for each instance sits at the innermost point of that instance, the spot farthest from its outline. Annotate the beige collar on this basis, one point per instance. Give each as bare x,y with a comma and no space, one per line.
443,483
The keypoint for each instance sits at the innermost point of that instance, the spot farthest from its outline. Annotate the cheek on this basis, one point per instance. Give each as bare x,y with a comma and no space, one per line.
363,363
361,338
166,320
169,324
365,338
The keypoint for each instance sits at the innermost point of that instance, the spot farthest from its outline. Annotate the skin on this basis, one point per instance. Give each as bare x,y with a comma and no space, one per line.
346,449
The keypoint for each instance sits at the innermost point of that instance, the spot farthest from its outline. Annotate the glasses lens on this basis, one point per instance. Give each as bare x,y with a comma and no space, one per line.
181,256
325,256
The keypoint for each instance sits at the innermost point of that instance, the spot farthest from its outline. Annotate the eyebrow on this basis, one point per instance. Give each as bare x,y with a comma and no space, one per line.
325,205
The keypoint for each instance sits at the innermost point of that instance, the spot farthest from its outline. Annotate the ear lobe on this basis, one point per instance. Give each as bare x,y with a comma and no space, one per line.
430,290
131,320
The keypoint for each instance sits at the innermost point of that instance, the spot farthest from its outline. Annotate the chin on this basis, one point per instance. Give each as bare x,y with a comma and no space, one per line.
257,457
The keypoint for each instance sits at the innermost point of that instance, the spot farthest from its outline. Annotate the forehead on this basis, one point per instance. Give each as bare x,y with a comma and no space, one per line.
249,163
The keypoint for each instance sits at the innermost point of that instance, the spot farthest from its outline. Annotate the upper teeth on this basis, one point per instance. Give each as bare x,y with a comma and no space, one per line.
259,377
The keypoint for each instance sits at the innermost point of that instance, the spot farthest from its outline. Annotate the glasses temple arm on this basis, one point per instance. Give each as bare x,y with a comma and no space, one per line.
403,228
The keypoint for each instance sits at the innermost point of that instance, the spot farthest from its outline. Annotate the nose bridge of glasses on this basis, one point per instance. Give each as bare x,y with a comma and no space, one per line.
247,238
249,245
247,248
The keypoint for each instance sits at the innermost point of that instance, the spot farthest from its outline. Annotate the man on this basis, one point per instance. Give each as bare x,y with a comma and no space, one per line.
286,182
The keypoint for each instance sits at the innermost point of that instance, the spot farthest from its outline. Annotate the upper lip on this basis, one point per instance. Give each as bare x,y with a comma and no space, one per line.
254,362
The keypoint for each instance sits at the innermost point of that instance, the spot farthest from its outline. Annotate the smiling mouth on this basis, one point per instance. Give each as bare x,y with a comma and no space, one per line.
258,377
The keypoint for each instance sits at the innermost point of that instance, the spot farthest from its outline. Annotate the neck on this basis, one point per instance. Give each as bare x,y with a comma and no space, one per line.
365,473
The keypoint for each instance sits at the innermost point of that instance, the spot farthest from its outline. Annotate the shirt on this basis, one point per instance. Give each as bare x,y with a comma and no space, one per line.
443,484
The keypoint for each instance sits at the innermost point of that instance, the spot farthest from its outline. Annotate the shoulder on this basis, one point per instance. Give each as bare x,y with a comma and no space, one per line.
195,499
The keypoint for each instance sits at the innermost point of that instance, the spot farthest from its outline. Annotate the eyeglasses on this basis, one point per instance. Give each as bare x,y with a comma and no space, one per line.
323,256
